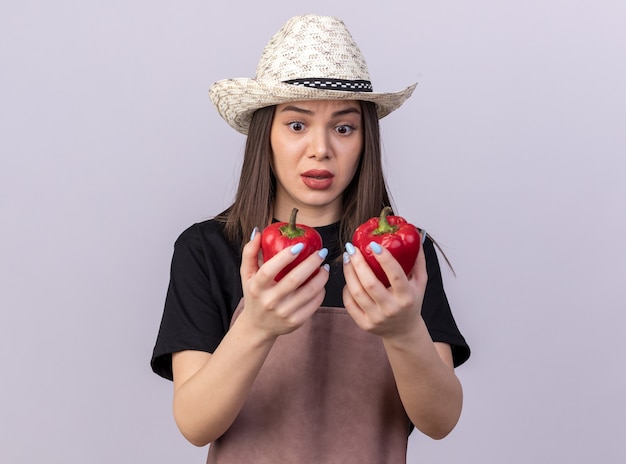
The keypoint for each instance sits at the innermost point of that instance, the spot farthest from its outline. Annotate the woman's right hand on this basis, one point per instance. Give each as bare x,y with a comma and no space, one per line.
276,308
270,309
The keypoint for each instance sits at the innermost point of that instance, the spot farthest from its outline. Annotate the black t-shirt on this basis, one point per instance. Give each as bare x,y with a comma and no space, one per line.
205,289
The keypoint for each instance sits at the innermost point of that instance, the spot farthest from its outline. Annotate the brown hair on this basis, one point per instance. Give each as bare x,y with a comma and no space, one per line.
364,197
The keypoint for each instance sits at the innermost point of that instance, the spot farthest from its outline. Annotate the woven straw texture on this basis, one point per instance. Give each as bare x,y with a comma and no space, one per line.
307,46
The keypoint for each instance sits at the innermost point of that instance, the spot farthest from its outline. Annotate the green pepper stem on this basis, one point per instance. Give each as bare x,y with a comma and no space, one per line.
290,230
383,224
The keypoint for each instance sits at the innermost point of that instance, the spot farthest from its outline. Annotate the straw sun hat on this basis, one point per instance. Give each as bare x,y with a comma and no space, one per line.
310,58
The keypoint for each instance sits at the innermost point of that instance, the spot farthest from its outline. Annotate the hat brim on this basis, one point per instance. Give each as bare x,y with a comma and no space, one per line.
237,99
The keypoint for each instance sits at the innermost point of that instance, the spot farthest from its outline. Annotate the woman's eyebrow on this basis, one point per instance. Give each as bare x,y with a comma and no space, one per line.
295,109
352,109
341,112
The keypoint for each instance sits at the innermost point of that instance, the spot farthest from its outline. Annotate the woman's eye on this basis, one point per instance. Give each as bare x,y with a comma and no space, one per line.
296,126
344,130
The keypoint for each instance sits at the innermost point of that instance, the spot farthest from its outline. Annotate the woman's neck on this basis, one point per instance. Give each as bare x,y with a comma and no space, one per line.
312,217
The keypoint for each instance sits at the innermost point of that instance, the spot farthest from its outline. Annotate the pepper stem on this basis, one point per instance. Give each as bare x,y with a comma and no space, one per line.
290,230
383,224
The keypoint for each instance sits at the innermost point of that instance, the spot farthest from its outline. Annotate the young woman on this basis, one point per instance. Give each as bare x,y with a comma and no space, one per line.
335,368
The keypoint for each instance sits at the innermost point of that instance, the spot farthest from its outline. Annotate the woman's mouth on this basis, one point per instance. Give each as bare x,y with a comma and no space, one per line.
317,179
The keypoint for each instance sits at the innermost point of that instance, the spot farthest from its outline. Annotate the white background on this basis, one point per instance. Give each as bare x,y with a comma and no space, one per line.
511,153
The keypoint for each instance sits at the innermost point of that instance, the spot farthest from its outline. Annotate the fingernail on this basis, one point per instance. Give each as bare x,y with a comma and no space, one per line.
350,248
323,253
297,248
423,236
346,258
254,231
376,248
326,267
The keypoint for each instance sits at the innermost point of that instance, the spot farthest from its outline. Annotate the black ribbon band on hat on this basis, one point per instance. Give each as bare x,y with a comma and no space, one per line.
333,84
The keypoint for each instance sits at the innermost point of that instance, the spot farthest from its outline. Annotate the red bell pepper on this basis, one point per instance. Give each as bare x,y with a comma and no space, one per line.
280,235
392,232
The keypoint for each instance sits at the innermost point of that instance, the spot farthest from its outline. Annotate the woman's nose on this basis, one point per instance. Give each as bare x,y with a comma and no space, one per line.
319,147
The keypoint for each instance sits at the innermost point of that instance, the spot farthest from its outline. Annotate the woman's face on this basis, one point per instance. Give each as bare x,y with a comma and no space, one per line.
316,147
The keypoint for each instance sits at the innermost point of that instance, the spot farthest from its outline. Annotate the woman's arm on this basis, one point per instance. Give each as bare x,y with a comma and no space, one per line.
210,389
429,389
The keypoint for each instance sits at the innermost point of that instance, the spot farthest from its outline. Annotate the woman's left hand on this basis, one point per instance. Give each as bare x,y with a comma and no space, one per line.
423,371
388,312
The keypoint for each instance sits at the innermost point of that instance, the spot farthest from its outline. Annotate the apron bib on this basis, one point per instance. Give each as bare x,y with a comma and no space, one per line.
325,394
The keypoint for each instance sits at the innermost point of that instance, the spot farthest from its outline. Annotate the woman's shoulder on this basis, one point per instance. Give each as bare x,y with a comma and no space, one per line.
205,234
204,228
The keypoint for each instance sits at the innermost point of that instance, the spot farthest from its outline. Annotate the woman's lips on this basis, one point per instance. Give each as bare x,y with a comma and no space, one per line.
317,179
